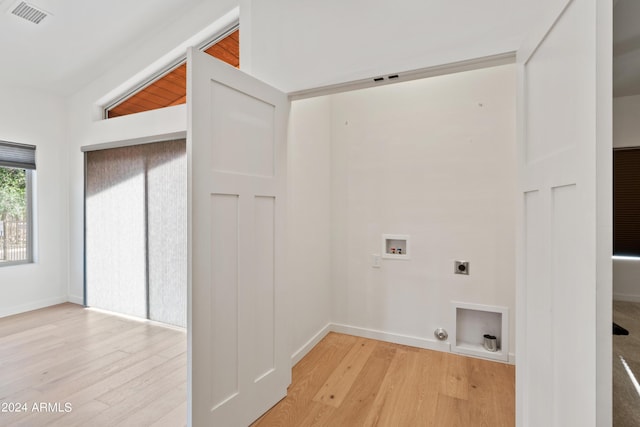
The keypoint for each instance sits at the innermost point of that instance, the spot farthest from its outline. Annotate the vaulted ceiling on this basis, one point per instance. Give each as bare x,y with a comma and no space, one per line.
171,89
80,39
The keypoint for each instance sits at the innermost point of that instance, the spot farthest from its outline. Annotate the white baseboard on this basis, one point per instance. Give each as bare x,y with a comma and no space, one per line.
429,344
76,299
626,297
391,337
9,311
302,351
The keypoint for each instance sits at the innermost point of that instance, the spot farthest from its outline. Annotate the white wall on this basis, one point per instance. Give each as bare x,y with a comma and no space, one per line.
434,159
309,220
626,121
626,279
626,133
33,117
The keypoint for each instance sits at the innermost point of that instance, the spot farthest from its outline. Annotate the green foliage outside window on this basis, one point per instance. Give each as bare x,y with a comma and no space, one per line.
13,187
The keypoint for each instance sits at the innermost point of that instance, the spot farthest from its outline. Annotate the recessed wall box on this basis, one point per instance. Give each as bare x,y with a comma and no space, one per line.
474,321
395,246
461,267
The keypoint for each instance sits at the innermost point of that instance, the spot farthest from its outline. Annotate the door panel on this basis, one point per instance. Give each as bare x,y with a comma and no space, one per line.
264,332
238,340
559,118
250,123
224,285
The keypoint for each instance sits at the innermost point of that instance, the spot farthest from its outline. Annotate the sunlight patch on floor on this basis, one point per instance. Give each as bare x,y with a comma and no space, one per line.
631,375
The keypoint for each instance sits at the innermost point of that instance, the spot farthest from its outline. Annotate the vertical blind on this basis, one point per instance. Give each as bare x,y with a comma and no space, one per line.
626,202
135,230
16,155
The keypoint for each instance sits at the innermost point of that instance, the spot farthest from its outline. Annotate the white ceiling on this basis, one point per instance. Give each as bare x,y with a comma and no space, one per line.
83,38
79,40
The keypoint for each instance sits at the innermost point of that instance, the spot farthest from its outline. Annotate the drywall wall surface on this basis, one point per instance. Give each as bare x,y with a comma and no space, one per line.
309,218
85,110
34,117
626,275
299,45
626,121
433,159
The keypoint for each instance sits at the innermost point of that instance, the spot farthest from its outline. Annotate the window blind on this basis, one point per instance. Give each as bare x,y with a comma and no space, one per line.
626,202
135,230
16,155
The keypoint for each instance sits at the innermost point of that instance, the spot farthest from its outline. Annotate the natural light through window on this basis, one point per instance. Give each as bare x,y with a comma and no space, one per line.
632,377
13,215
626,258
170,87
17,166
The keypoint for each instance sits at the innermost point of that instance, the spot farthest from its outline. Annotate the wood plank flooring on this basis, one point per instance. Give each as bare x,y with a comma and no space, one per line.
626,365
111,371
119,372
350,381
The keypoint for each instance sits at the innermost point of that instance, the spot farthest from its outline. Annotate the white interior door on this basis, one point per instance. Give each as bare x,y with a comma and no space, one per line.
564,269
239,364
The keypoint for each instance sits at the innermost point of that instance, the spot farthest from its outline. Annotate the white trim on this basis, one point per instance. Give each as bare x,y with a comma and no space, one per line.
313,341
135,141
626,297
75,299
411,341
428,344
35,305
163,124
438,70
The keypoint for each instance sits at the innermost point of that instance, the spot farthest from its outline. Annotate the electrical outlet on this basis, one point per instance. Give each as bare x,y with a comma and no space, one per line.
461,267
376,261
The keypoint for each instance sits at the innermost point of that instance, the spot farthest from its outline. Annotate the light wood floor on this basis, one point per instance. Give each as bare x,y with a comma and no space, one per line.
626,351
112,371
349,381
119,372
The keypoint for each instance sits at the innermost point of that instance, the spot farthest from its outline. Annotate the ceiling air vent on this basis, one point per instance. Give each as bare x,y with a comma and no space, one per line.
29,12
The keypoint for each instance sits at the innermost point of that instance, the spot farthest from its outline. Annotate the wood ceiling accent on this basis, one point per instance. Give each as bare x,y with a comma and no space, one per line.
171,89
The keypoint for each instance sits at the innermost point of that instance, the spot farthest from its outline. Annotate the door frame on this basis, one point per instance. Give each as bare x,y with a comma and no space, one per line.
604,180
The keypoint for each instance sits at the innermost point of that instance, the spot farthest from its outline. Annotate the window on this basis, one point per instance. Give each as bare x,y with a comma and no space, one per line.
170,87
626,202
17,167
